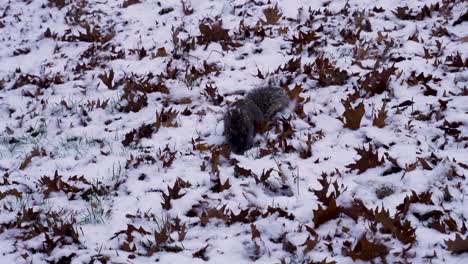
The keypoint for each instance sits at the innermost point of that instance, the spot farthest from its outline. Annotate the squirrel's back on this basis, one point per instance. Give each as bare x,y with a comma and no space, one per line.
269,99
258,107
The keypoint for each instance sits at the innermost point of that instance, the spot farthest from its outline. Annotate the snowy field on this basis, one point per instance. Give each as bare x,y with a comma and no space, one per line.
112,147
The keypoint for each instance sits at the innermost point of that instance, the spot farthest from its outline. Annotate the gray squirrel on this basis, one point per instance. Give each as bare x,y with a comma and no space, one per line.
245,115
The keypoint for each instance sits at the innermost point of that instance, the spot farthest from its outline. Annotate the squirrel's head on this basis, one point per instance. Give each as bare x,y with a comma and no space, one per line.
238,130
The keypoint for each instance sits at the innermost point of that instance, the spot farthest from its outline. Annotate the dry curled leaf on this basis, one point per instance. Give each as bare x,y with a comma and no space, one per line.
107,79
379,119
403,231
376,82
127,3
13,192
423,198
368,250
272,15
328,74
309,244
322,194
166,118
255,232
134,136
352,116
218,186
201,253
214,32
458,245
186,8
27,160
161,52
369,159
288,246
322,215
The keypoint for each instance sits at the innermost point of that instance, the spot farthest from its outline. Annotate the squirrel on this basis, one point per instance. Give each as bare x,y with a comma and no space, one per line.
246,115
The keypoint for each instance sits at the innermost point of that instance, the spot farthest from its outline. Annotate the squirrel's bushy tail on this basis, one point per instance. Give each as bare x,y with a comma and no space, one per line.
269,99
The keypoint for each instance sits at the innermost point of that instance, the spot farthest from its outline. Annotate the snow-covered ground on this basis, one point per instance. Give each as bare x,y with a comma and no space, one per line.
112,147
